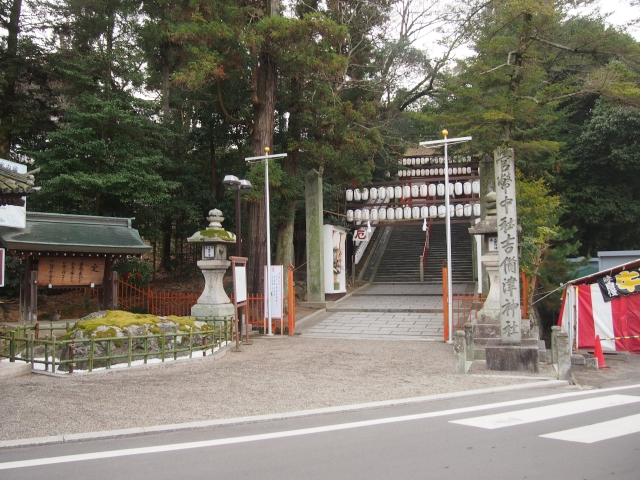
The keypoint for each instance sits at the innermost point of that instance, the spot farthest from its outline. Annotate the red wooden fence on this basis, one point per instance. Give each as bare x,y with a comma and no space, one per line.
179,304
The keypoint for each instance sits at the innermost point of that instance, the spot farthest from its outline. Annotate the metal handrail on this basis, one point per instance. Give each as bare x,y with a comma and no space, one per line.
425,250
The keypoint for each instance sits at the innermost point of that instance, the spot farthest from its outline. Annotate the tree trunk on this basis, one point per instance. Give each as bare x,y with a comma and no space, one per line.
263,124
284,248
214,170
10,73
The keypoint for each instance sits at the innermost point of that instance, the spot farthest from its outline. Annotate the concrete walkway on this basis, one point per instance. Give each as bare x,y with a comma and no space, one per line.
385,312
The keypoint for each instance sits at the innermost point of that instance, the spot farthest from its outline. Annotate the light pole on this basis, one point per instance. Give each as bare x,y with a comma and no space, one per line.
266,158
436,143
231,182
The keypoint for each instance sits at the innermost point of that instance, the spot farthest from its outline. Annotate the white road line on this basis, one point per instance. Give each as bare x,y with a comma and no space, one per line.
292,433
548,412
599,431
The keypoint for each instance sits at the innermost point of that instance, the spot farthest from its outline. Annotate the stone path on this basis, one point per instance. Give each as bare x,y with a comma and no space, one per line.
384,312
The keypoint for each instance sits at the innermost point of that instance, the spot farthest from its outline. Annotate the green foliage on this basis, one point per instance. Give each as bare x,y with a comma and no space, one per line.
13,270
134,271
601,186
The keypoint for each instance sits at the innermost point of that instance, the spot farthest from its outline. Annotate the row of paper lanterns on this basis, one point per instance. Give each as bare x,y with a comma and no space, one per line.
413,191
430,172
432,160
400,213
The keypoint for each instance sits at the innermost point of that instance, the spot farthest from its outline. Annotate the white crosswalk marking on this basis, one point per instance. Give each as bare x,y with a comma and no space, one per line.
599,431
548,412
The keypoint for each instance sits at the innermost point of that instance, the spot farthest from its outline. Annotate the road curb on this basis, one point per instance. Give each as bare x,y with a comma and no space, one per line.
75,437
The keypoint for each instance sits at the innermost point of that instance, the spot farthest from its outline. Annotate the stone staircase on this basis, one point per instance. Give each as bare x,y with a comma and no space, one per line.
400,261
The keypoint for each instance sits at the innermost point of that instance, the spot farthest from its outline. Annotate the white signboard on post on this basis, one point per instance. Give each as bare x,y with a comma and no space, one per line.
241,283
277,287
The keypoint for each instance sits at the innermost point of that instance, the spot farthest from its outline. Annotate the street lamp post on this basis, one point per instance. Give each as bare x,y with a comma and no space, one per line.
231,182
436,143
266,158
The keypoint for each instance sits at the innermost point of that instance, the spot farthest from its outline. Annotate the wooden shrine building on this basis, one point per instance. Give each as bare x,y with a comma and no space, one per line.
70,251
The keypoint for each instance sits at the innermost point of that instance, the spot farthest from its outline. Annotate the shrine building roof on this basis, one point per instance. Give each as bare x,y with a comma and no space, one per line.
55,232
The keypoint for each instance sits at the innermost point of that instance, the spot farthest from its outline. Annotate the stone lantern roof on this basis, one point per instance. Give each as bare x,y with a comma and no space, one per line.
214,233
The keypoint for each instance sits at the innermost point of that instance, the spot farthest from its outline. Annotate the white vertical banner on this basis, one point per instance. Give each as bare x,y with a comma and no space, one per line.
1,267
335,255
277,288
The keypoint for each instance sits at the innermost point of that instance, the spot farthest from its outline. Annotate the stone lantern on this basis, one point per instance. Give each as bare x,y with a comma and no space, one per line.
488,228
214,302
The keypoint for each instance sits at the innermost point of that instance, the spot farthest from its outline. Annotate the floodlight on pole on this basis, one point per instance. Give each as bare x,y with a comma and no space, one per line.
436,143
231,182
266,158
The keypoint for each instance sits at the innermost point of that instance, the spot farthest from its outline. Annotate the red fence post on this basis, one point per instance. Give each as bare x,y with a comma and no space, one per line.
292,300
445,305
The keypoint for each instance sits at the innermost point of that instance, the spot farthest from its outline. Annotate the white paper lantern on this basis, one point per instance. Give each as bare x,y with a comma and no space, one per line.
477,211
475,186
366,214
357,195
391,213
413,161
349,215
413,173
466,188
382,193
459,210
432,171
423,172
399,213
451,189
458,188
382,213
424,211
452,211
433,189
467,210
442,211
358,215
400,173
390,193
349,195
398,192
424,190
374,214
441,189
365,194
406,191
433,211
406,212
373,193
441,171
404,161
415,190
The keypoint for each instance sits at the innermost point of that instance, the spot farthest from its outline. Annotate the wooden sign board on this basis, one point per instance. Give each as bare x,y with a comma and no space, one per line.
70,272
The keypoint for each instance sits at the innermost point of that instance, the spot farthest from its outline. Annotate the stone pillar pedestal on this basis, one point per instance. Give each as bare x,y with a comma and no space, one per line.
214,302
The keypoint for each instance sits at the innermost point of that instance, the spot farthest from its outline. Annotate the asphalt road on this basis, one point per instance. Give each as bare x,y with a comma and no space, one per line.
552,433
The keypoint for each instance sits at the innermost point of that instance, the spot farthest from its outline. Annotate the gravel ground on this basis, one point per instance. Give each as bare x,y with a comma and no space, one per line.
271,376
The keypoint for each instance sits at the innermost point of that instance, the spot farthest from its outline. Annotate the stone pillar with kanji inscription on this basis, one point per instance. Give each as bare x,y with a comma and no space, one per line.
509,267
